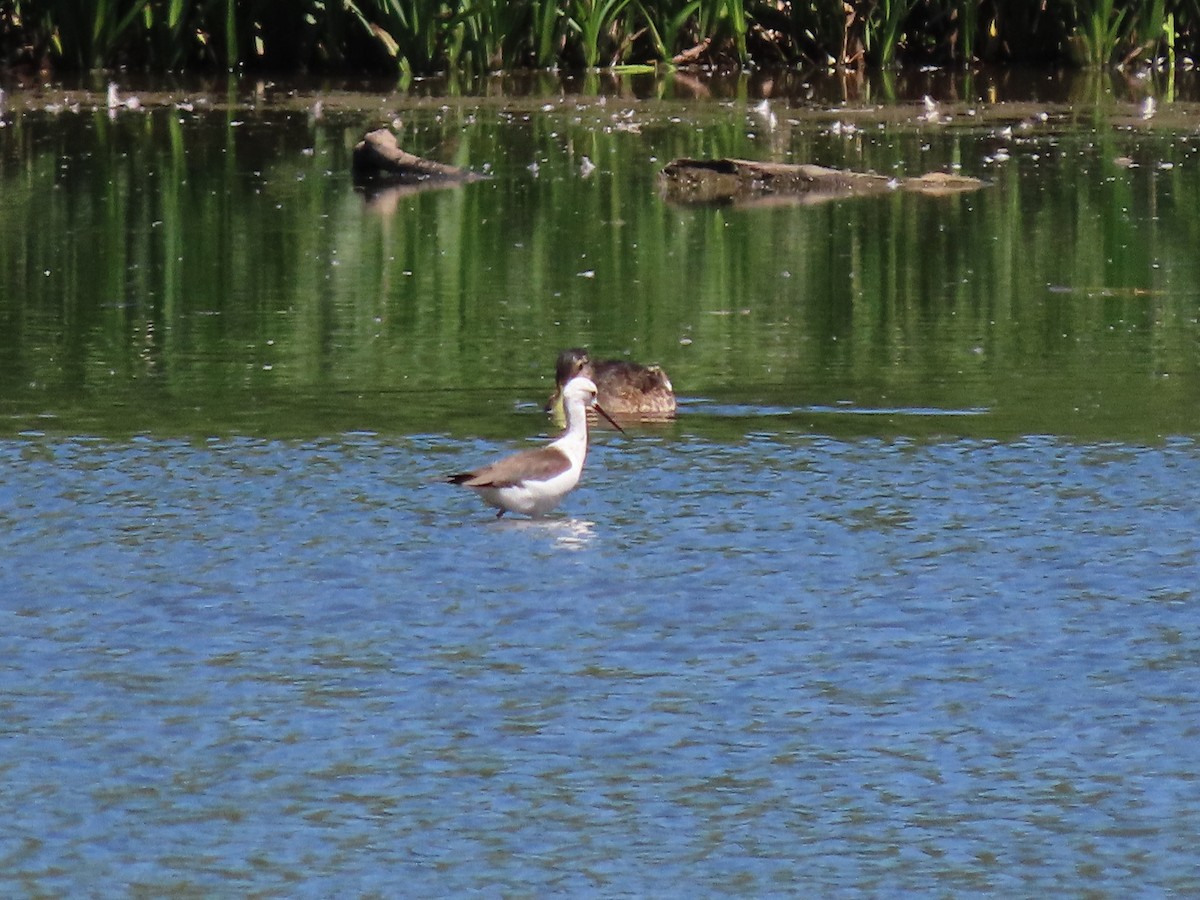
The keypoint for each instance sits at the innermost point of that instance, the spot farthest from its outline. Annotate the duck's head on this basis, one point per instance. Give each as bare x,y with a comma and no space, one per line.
571,364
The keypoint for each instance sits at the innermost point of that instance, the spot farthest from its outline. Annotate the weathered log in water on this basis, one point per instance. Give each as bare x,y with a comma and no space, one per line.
379,161
744,182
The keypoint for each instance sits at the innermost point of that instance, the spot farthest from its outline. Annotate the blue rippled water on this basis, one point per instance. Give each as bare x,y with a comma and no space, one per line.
785,665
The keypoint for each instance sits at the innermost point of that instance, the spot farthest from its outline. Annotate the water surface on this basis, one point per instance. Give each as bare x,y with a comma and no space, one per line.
903,603
205,260
786,664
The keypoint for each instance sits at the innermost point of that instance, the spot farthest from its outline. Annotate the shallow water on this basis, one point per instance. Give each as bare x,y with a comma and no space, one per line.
783,664
205,265
904,602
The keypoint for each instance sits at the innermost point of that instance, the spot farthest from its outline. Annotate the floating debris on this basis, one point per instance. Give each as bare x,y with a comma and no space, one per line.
379,158
763,111
115,102
744,181
933,112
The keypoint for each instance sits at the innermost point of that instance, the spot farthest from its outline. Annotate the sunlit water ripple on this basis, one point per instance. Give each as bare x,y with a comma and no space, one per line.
786,664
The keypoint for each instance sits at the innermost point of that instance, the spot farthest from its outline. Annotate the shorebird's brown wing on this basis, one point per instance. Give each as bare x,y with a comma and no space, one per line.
528,465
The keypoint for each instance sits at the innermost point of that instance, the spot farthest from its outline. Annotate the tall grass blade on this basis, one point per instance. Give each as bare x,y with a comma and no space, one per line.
231,34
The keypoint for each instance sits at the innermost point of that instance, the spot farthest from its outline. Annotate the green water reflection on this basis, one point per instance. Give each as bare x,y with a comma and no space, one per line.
199,267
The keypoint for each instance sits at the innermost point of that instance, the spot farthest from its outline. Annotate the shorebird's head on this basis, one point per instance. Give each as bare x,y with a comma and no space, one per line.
582,390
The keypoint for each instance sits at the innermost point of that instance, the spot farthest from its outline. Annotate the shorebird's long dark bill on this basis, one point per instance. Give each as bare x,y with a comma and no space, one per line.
600,409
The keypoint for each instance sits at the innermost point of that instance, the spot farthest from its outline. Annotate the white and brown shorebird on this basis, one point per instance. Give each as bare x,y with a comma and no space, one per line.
533,482
625,388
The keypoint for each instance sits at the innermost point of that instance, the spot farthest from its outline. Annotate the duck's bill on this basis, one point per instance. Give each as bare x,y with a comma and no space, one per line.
613,422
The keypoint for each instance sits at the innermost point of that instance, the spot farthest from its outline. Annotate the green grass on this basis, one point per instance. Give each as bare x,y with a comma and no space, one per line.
422,36
1099,32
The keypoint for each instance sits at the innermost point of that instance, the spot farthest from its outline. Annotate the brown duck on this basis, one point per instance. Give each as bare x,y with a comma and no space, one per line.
625,388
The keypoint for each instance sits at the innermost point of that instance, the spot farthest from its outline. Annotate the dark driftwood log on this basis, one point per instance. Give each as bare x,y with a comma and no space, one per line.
378,160
746,181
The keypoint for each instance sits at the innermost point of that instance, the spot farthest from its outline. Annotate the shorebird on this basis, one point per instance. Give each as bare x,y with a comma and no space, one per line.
533,482
625,388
